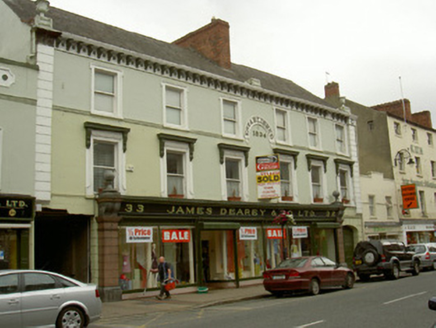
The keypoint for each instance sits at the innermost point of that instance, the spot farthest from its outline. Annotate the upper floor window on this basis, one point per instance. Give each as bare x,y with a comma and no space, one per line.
317,183
104,159
287,178
344,184
175,174
429,139
233,178
281,125
106,93
389,206
418,165
422,202
370,125
340,138
231,121
401,164
397,128
313,132
414,135
433,169
371,205
175,109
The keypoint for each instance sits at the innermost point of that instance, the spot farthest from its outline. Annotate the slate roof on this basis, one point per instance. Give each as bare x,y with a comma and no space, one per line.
78,25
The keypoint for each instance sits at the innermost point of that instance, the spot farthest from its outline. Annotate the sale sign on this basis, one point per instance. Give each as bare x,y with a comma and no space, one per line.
248,233
139,235
268,177
275,233
176,236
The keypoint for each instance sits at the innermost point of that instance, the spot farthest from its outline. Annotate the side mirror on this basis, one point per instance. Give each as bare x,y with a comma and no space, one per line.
432,303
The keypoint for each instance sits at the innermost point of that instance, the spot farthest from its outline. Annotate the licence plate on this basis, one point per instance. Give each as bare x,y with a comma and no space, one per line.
278,277
358,262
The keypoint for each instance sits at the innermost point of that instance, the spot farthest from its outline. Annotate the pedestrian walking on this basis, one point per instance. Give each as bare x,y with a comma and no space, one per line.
164,275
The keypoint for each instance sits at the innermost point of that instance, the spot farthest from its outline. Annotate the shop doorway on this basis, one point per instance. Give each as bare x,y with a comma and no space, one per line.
348,245
62,245
14,249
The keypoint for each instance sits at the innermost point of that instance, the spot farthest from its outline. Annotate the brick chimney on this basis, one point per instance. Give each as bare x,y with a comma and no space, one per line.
396,108
331,90
423,118
212,41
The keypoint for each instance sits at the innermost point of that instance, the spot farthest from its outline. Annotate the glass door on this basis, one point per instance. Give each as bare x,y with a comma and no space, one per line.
14,248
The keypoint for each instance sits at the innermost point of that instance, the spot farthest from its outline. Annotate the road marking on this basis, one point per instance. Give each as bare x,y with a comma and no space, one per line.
200,314
404,298
311,324
152,320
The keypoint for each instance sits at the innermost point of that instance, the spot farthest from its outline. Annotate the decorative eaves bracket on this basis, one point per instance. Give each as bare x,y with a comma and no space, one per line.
285,152
311,158
163,138
339,161
223,147
90,126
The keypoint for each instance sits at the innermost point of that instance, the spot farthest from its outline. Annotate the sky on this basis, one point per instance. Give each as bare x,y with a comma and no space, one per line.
365,46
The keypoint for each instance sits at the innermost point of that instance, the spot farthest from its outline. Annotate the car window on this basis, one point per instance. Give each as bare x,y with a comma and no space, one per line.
416,248
292,263
317,262
432,249
394,247
38,281
9,284
328,262
65,282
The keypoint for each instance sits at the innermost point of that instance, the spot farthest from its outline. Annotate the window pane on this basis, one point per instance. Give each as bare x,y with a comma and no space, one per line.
229,127
104,103
233,189
104,154
315,171
38,281
281,134
281,118
9,284
229,110
175,185
174,163
232,169
104,82
313,141
174,116
173,97
312,125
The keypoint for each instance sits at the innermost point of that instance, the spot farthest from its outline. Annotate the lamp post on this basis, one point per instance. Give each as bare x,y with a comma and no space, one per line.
403,154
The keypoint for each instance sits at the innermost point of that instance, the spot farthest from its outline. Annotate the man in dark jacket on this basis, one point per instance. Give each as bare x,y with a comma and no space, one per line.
164,274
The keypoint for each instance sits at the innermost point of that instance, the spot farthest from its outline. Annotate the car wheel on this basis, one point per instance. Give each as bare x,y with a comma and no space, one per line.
363,277
370,257
278,294
395,272
415,270
70,317
314,287
349,281
434,266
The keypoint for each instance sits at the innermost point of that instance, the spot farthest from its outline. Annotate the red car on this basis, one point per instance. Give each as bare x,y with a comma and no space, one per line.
311,273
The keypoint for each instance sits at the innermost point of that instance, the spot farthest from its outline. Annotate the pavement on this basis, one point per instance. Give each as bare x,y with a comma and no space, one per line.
181,302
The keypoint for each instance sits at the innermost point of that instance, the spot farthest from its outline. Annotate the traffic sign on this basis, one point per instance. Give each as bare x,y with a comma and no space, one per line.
408,193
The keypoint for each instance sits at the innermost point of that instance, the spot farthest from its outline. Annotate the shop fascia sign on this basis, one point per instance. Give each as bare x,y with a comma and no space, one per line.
419,227
130,208
12,207
139,235
176,236
248,233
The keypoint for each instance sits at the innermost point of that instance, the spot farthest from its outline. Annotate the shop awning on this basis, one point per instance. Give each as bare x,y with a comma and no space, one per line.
327,225
219,225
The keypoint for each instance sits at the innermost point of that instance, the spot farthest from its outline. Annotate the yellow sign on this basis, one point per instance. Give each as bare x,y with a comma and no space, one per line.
408,193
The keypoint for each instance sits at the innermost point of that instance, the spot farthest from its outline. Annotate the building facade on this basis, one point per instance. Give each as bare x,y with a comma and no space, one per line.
161,149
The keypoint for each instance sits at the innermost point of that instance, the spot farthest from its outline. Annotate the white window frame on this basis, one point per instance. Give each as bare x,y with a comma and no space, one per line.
238,118
181,148
118,101
318,132
344,141
289,161
120,169
433,169
389,207
239,156
322,181
414,133
184,110
349,181
372,205
418,165
430,139
286,128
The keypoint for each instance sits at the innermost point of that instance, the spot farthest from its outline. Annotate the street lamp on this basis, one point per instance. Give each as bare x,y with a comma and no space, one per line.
402,155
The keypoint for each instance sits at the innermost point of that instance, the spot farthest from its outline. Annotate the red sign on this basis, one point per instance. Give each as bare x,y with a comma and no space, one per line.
274,233
176,236
408,193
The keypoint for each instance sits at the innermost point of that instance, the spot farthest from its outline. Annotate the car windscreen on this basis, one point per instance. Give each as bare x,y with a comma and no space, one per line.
292,263
416,248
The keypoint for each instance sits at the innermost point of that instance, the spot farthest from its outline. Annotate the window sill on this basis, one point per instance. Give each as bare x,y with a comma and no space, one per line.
318,200
228,136
176,127
234,199
176,196
288,198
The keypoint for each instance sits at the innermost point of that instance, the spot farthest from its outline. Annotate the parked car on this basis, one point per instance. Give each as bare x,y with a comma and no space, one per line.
32,298
388,257
426,254
310,274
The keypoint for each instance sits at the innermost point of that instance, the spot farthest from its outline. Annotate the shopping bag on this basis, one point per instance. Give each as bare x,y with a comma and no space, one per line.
170,285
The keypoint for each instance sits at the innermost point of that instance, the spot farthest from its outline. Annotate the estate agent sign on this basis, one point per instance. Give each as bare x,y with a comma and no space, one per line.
268,177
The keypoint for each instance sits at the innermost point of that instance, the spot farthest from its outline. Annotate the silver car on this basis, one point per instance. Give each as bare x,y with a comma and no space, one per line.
426,254
31,298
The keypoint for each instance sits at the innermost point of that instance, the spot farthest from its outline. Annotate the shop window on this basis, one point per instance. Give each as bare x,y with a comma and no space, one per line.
175,174
287,179
106,92
175,106
317,183
313,133
231,118
371,205
341,145
389,206
8,284
281,125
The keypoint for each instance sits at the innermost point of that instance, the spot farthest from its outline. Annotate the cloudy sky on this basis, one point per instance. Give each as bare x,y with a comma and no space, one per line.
365,46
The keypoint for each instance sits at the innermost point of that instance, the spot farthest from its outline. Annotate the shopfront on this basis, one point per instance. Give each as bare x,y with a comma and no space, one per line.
383,230
210,243
415,231
16,229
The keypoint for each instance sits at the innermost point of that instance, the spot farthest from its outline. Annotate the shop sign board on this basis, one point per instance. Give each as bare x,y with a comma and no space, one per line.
419,227
299,232
275,233
176,236
139,235
268,176
408,193
248,233
16,207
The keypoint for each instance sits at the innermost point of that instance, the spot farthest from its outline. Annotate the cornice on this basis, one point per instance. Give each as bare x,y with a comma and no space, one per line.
119,56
